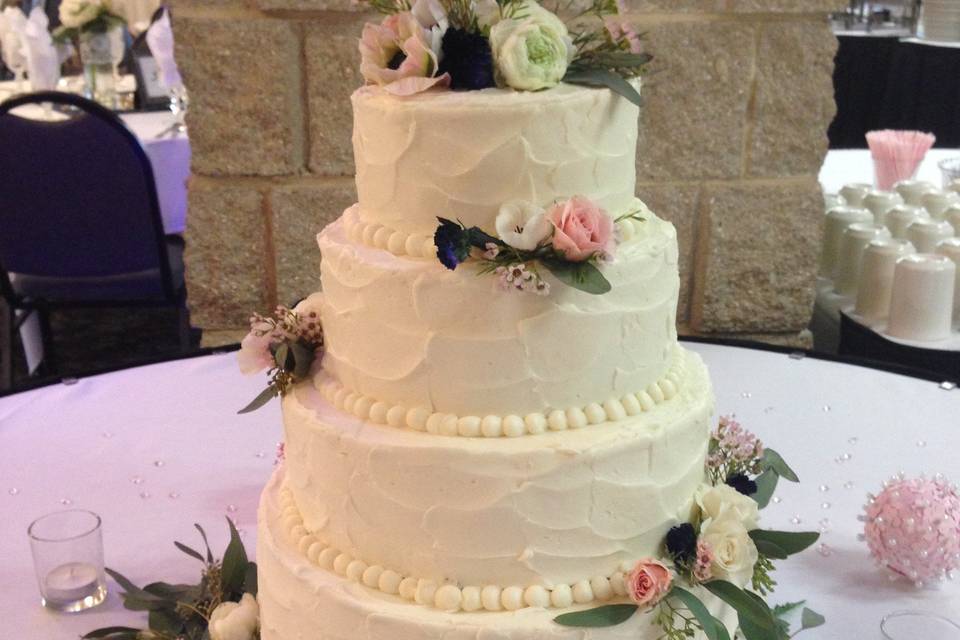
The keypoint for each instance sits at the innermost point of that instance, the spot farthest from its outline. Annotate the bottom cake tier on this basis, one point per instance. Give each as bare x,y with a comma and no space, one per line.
302,601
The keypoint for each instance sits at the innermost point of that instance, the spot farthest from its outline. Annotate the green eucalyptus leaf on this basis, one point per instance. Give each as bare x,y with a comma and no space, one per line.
280,355
593,77
173,593
302,359
810,619
766,485
479,238
165,621
234,567
250,579
135,598
751,631
606,616
773,460
206,544
712,628
579,275
747,606
187,550
784,543
112,633
787,608
622,59
263,398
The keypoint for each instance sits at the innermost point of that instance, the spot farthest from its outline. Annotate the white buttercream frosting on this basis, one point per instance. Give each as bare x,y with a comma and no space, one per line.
557,508
410,333
461,155
300,598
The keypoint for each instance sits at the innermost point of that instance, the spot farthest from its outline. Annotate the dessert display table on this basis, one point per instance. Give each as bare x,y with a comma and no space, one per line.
843,166
155,449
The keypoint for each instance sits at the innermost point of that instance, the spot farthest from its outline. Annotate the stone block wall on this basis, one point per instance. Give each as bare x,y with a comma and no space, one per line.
733,134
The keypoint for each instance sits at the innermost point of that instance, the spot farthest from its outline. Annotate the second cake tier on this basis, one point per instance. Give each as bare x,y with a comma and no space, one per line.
561,507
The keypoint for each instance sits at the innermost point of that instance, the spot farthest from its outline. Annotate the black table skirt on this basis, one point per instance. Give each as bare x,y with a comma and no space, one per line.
883,83
859,341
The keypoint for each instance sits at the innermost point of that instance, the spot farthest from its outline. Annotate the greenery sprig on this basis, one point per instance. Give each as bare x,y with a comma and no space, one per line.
101,24
182,611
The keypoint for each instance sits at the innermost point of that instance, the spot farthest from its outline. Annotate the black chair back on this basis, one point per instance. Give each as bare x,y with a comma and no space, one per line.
77,196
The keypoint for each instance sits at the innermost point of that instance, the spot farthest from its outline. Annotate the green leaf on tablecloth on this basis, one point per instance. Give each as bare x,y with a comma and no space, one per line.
773,460
810,619
173,592
234,566
766,485
165,621
606,616
712,628
250,579
112,633
203,534
781,544
579,275
187,550
750,608
135,598
265,396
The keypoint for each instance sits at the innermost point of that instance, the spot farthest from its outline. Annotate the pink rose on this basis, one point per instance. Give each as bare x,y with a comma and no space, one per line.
703,566
581,229
649,582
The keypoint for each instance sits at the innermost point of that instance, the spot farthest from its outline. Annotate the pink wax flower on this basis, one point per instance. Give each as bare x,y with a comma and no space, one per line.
648,582
624,32
703,565
581,229
398,54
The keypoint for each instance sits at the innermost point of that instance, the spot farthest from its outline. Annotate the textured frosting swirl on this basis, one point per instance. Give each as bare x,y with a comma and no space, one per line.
408,332
463,154
560,507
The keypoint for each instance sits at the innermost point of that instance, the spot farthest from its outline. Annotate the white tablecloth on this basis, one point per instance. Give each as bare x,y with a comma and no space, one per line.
169,155
842,166
155,449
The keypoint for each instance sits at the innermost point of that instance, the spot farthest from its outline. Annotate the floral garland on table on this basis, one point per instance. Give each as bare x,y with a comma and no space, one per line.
571,239
222,606
289,346
85,16
475,44
721,551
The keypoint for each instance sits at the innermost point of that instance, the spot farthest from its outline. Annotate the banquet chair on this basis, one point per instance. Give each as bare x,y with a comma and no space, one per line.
80,224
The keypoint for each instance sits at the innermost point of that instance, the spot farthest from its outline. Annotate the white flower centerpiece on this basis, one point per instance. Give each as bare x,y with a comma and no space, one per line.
98,32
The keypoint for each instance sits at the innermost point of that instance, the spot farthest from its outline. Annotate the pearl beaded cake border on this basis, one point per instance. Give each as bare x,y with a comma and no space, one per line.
417,245
445,597
511,426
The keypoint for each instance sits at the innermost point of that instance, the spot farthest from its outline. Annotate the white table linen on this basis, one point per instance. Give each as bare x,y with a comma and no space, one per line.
157,448
843,166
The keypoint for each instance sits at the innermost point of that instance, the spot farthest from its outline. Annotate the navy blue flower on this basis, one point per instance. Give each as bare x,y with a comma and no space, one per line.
682,543
453,243
742,483
468,60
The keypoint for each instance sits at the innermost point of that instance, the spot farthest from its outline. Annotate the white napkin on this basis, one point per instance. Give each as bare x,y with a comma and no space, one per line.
43,59
12,23
160,41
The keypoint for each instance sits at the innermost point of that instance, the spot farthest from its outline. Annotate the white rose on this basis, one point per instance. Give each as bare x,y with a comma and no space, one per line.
734,553
235,620
522,225
531,52
76,13
716,501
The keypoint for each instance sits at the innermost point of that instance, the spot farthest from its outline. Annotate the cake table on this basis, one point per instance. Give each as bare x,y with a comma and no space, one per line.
155,449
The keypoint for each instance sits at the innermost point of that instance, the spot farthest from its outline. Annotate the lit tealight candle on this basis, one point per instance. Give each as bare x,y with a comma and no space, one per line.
71,582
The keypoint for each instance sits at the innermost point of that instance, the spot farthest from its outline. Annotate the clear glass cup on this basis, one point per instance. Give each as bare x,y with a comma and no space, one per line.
949,171
67,551
909,625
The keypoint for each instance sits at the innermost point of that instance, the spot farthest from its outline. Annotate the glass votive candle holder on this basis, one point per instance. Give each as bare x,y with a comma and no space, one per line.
67,551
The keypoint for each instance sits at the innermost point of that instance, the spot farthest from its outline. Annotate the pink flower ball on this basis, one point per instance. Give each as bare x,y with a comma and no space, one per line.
648,582
913,528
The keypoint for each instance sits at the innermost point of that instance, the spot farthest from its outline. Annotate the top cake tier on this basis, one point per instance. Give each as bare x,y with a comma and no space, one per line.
462,155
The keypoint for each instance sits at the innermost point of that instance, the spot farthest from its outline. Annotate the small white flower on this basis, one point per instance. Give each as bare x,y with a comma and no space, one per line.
235,620
543,287
516,273
492,251
522,225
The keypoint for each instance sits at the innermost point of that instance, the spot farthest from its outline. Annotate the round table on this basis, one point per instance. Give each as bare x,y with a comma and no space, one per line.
157,448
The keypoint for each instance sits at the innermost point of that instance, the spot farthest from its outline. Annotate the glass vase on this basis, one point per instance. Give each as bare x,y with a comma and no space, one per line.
101,52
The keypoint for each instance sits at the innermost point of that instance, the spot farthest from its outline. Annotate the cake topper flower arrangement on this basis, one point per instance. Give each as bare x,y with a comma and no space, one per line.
222,606
722,551
475,44
570,239
289,346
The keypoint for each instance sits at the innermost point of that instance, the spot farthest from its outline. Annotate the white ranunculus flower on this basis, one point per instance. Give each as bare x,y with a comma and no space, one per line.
522,225
531,52
734,553
76,13
235,620
716,501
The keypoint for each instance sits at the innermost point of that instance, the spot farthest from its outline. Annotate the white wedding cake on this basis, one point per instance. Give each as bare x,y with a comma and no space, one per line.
469,462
